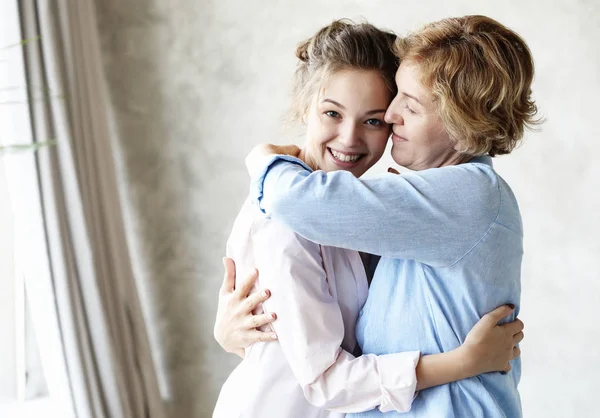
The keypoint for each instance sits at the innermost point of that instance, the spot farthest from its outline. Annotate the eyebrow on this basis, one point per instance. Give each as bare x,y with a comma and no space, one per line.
370,112
335,103
412,97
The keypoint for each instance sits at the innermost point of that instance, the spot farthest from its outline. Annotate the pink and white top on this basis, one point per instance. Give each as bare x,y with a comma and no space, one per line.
309,372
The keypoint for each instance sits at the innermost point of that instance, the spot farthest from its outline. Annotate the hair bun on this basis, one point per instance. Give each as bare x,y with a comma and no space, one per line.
302,51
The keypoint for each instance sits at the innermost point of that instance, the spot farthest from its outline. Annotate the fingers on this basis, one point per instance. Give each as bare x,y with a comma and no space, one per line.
498,314
256,321
243,288
517,338
292,150
229,278
514,327
516,352
255,299
258,336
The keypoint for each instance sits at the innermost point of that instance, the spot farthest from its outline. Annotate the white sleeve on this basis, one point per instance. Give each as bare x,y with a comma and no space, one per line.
310,329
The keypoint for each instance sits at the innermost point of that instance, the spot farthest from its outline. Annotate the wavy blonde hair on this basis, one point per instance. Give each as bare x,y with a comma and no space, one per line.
342,45
480,73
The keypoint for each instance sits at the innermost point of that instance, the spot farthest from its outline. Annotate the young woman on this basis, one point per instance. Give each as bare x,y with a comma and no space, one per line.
449,232
344,84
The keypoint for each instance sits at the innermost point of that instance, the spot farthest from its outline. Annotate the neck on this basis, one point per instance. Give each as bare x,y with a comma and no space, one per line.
456,159
306,157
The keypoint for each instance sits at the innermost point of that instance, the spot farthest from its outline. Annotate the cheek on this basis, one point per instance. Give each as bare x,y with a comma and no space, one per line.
325,133
421,134
377,142
438,140
319,134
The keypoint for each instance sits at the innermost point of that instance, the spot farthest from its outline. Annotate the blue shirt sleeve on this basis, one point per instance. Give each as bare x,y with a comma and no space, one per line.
433,216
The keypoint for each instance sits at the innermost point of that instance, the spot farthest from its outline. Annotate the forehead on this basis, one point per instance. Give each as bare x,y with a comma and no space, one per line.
408,79
359,87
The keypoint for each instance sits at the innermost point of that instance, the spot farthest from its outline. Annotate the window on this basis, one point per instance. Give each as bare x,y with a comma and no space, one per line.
33,378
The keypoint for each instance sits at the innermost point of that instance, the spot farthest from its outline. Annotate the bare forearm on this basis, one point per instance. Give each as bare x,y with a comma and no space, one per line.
439,369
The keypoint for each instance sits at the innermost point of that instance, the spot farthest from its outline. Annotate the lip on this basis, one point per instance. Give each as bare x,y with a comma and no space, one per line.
345,164
398,138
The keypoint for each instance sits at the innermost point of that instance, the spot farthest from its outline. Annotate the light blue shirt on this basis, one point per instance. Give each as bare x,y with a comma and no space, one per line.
451,241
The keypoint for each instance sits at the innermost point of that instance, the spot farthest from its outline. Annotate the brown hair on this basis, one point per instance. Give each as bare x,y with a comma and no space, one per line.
340,46
480,74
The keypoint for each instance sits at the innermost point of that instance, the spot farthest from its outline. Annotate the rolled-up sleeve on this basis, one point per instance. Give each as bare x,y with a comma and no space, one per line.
311,329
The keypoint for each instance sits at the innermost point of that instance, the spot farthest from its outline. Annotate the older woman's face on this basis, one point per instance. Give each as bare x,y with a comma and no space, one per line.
418,135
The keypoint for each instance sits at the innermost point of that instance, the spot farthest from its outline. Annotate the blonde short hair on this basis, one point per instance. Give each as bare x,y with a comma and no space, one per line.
480,73
342,45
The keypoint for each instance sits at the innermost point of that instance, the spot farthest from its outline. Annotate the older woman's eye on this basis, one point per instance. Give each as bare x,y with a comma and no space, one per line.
332,114
410,110
375,122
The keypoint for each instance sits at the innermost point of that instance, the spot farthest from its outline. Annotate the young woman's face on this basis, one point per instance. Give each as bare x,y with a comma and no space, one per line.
419,138
345,126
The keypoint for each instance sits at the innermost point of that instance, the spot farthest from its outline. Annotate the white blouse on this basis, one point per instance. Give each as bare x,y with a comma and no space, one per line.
309,372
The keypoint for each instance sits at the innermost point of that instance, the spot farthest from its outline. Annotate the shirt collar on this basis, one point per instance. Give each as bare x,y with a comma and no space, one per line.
482,159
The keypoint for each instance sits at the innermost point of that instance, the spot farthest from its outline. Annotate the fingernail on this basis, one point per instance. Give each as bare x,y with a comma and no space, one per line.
273,336
273,316
265,293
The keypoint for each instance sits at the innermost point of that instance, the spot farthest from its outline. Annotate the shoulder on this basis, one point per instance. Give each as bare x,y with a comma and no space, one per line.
472,185
478,179
472,174
466,199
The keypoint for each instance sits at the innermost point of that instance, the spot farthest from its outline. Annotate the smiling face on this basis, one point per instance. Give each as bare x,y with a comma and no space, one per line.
345,125
419,138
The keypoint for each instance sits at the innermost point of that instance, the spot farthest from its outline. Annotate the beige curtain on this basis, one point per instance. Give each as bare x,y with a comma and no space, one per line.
110,368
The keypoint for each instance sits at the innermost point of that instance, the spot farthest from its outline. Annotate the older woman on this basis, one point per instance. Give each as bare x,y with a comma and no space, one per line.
449,232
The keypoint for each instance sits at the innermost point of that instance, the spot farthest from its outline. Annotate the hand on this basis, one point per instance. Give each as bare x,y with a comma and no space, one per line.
490,347
255,158
236,325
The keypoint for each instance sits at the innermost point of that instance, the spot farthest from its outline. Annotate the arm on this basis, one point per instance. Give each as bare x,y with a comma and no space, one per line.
418,215
487,348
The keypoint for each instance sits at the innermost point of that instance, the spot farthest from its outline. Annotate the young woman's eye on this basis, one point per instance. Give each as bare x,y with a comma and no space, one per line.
375,122
332,114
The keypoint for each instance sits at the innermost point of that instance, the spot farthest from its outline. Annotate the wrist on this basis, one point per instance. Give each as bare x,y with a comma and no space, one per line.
465,357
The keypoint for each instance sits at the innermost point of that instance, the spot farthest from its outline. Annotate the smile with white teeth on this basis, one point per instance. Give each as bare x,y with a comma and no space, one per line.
344,157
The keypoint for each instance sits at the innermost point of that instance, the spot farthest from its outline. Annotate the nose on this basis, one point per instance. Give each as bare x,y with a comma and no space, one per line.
350,135
393,114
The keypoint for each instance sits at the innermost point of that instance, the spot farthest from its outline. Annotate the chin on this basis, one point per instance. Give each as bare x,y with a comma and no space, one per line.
398,160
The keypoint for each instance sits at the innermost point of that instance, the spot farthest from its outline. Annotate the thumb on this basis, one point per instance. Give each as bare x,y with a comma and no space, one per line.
500,313
229,278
